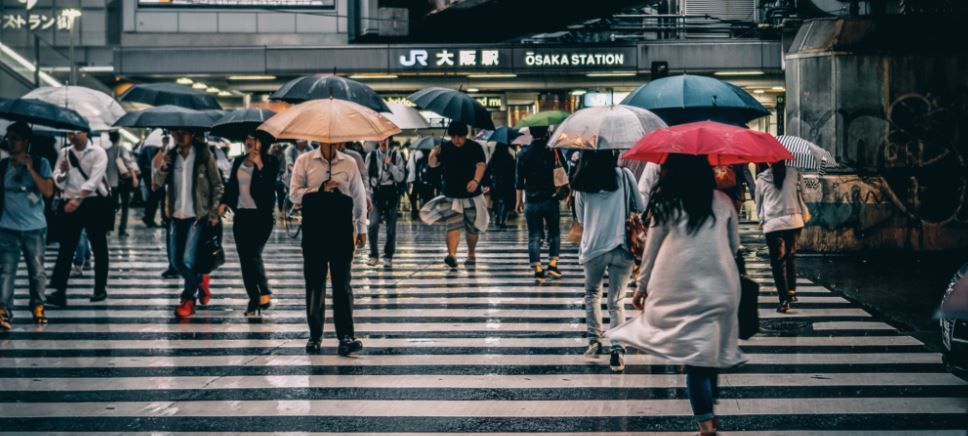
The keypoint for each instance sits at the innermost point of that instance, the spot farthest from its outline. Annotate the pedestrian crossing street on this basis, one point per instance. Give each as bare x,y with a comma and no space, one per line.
483,350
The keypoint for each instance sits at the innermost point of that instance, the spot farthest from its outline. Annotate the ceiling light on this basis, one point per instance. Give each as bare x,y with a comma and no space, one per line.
778,88
199,85
365,76
758,91
224,94
613,74
491,76
739,73
252,77
579,92
184,81
473,90
213,90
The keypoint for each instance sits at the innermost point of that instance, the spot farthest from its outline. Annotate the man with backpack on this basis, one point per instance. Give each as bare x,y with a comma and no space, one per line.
25,181
386,175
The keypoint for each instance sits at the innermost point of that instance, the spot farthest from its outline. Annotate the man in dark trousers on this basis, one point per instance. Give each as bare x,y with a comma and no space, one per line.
145,156
538,200
327,185
385,179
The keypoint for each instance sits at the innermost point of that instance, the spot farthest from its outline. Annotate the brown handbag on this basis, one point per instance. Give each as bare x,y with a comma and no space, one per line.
635,230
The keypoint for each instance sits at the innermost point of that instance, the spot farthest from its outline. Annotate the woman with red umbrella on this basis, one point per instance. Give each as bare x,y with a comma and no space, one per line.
689,287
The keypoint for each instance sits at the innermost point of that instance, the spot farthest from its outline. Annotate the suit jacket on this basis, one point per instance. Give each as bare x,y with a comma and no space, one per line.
262,188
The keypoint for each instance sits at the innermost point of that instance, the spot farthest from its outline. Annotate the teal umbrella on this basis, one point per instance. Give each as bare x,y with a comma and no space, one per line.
543,119
687,98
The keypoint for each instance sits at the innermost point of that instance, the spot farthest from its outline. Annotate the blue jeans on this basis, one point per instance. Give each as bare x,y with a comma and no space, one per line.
618,263
184,238
32,244
83,252
539,215
702,384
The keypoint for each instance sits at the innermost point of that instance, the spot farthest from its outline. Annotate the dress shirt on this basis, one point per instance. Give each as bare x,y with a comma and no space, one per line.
184,197
311,171
386,175
93,160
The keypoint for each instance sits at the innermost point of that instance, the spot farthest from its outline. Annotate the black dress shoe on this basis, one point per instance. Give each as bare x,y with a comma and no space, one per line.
169,274
314,346
349,347
99,296
57,299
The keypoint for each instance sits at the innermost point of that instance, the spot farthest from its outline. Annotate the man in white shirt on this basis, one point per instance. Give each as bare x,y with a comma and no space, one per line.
80,174
385,173
328,187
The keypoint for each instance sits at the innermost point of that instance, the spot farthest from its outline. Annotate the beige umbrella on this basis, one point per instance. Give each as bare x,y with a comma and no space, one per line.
329,121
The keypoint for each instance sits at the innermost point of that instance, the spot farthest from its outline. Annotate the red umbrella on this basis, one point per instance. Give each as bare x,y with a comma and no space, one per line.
723,143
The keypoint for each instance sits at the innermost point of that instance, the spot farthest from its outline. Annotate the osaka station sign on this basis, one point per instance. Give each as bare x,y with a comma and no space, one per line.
516,59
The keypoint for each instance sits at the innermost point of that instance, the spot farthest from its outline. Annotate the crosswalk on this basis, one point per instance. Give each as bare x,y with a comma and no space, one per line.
482,350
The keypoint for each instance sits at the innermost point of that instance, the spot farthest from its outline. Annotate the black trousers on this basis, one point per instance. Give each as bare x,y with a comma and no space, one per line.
91,216
120,199
153,203
783,260
252,229
316,266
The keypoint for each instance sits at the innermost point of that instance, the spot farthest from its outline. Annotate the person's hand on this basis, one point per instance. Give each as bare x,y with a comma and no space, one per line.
213,221
72,205
361,240
221,210
330,186
472,186
638,300
387,160
26,161
134,181
519,208
435,151
64,166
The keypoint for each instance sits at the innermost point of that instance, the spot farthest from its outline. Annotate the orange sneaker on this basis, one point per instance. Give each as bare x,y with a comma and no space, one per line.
185,309
205,290
38,313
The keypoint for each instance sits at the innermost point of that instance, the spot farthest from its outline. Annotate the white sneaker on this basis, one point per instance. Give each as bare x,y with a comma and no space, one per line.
373,262
594,350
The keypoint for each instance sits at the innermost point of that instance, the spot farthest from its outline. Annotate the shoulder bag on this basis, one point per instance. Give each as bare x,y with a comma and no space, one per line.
635,230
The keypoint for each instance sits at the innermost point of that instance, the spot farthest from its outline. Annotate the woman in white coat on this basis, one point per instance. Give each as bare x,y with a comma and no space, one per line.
689,287
782,213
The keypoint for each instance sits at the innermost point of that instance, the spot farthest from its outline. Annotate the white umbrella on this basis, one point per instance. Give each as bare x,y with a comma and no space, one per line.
405,117
614,127
99,109
807,155
525,138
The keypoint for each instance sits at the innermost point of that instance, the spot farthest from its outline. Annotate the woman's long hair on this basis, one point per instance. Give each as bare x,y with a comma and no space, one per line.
596,171
779,173
686,186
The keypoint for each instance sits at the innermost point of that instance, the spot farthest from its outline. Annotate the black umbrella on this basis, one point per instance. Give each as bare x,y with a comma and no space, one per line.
160,94
320,87
687,98
453,104
426,143
42,113
169,117
236,125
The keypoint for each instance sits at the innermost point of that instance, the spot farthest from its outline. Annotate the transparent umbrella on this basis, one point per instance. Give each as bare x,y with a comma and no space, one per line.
405,117
99,109
605,128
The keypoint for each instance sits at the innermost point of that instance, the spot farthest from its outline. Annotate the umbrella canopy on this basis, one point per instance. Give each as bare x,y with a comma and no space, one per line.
42,113
322,87
405,117
955,303
543,119
330,121
169,117
453,104
160,94
686,98
807,155
605,128
503,135
724,144
99,109
426,143
238,124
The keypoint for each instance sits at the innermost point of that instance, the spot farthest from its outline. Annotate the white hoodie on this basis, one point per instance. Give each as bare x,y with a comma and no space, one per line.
780,209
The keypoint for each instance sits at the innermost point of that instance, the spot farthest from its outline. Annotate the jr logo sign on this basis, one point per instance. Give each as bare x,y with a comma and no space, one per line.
417,57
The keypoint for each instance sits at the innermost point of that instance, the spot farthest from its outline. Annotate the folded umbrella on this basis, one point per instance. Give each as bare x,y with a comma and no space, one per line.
453,104
323,87
161,94
99,109
543,119
687,98
426,143
42,114
605,128
724,144
503,135
807,156
330,121
238,124
169,117
405,117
